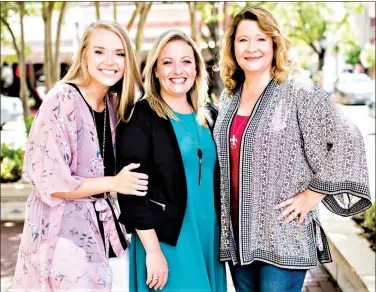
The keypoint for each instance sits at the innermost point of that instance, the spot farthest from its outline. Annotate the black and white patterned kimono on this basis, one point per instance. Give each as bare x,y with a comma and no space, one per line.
296,138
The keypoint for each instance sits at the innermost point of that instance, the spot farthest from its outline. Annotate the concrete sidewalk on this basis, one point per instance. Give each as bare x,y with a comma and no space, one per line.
317,280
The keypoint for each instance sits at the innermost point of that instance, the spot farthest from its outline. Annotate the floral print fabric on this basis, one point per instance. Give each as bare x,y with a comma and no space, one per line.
61,247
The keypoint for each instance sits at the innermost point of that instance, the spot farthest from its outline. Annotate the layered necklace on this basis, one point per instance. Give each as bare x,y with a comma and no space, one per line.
198,145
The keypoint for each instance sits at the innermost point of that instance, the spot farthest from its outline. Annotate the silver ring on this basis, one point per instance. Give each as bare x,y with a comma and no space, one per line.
155,279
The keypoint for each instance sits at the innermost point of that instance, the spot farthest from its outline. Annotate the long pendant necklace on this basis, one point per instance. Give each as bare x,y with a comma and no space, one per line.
104,129
199,151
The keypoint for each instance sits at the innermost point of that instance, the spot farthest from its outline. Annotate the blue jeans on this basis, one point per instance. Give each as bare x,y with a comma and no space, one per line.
263,277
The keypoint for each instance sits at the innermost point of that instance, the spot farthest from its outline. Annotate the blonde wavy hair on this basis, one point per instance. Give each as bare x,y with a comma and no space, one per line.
197,95
282,64
125,88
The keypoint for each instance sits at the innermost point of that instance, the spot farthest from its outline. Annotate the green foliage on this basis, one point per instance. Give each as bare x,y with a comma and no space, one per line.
367,56
8,10
28,122
207,11
353,54
11,163
370,219
367,220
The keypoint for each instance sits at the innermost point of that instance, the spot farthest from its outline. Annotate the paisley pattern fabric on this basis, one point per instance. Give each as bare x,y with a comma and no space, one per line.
296,139
61,247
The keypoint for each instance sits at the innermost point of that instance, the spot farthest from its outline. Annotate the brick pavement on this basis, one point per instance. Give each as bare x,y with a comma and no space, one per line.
317,280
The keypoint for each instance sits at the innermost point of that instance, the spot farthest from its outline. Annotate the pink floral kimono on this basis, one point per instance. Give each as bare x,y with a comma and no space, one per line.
61,247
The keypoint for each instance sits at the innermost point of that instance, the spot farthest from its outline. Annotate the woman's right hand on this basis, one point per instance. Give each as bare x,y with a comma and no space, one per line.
157,270
131,183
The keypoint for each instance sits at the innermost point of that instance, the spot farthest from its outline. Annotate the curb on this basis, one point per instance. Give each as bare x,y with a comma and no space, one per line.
353,266
15,192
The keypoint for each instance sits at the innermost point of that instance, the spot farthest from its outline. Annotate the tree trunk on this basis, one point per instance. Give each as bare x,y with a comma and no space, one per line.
23,86
194,25
144,11
321,56
14,41
134,15
226,18
47,17
56,63
97,11
115,11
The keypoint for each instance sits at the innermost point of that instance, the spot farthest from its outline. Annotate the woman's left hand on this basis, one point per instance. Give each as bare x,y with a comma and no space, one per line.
300,204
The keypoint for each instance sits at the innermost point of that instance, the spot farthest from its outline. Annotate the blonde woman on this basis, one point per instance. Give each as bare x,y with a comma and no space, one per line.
175,246
282,144
71,227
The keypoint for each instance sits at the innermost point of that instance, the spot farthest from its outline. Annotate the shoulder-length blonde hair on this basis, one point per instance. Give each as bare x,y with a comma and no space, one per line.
197,95
282,64
125,88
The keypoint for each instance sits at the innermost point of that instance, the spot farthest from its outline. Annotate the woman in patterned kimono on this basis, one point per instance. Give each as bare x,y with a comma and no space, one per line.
175,245
283,147
71,227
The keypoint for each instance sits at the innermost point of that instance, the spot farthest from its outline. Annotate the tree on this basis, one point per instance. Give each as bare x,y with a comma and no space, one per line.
134,15
142,10
115,11
368,59
97,10
143,14
195,32
211,16
56,63
47,10
9,9
317,23
51,64
367,56
23,86
353,54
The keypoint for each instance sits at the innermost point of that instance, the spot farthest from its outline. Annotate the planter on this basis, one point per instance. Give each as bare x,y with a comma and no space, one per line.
14,180
367,221
353,266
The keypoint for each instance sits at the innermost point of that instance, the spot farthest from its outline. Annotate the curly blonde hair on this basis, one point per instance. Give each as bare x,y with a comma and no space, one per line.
282,64
125,89
197,95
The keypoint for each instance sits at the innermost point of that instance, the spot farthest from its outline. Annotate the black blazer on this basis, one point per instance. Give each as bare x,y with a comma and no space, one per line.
150,140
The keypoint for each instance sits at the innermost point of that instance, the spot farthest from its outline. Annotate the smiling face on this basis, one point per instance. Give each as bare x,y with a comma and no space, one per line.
105,58
253,48
176,69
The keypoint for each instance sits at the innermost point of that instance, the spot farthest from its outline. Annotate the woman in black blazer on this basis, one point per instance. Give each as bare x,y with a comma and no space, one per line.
169,135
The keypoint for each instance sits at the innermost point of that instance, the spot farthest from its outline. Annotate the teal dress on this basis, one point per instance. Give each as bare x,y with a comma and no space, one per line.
193,263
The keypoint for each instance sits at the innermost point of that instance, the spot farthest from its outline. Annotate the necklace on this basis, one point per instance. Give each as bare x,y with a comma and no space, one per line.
199,151
104,129
233,139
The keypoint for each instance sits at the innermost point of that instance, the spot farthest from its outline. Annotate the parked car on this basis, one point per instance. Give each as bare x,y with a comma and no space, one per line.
354,88
371,106
11,109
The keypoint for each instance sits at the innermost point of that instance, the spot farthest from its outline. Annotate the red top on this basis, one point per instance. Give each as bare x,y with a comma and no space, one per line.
236,133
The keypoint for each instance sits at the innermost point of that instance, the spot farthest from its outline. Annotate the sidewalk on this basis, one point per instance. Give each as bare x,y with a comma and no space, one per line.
317,280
